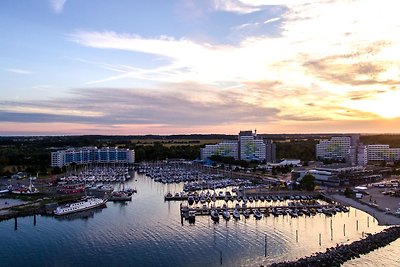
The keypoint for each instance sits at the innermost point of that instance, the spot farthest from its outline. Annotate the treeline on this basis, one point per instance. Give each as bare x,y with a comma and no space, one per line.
158,151
296,149
232,161
393,140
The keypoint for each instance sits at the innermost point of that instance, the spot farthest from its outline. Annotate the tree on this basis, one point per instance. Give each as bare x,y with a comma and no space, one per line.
308,182
348,192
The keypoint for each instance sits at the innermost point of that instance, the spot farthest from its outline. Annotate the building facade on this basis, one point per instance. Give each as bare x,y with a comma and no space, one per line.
251,147
248,147
382,153
336,148
224,149
270,154
87,155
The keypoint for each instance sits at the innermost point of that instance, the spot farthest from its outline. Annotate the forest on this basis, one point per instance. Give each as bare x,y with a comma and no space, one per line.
32,154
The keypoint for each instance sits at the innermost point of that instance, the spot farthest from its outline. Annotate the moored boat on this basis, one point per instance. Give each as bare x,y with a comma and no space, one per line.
257,214
192,216
120,196
86,204
236,214
246,213
30,190
226,215
214,215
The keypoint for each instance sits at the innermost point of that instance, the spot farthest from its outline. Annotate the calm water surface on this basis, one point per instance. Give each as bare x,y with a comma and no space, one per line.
148,232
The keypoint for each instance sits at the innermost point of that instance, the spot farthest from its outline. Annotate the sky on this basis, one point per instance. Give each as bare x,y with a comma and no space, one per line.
125,67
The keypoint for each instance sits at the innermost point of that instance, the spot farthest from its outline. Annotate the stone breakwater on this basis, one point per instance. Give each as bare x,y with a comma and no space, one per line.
336,256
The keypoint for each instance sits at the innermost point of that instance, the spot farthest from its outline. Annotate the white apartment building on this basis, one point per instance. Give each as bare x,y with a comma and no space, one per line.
86,155
224,149
248,147
251,147
382,153
337,148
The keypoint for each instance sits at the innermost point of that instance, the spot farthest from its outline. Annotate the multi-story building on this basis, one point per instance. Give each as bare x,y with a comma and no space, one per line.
270,153
362,158
248,147
224,149
86,155
251,147
382,153
337,148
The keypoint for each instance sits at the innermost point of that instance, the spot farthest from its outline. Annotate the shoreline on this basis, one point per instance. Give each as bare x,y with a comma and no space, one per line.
383,218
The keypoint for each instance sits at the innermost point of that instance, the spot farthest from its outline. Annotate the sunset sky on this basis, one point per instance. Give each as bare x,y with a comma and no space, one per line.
205,66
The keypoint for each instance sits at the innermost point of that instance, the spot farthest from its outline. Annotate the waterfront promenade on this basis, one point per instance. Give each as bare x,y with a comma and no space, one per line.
380,214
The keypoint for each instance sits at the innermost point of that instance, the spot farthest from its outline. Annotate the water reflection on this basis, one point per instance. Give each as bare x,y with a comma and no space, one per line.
148,232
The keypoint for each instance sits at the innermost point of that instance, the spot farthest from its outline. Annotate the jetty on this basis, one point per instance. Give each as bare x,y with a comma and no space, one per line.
311,209
336,256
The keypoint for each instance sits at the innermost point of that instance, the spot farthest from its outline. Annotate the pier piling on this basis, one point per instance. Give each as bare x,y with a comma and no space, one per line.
344,229
357,225
297,236
34,219
265,246
220,257
319,239
15,223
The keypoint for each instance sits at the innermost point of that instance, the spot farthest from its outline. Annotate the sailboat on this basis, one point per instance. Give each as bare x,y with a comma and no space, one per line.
120,195
30,190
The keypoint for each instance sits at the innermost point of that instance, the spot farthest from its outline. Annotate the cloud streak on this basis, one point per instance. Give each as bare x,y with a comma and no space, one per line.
113,106
19,71
57,5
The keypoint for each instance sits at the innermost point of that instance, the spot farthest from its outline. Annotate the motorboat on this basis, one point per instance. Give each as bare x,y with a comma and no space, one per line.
214,215
257,214
246,213
120,196
236,214
190,200
226,215
192,216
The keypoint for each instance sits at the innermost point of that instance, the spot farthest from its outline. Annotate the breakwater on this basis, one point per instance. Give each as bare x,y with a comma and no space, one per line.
336,256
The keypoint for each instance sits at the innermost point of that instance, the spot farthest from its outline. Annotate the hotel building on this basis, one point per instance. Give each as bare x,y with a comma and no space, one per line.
336,148
87,155
382,153
248,147
224,149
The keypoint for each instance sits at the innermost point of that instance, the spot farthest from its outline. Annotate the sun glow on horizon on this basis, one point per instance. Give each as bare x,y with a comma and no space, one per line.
386,105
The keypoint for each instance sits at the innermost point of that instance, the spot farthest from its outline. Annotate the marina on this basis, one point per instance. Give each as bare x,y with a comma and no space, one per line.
155,236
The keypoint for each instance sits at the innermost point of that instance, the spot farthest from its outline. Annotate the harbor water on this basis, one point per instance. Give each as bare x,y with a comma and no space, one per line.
149,232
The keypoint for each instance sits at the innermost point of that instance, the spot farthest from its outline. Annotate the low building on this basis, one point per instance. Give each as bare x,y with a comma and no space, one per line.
339,175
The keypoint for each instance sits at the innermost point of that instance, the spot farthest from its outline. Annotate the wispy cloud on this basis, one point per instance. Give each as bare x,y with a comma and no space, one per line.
302,73
113,106
19,71
235,6
57,5
271,20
